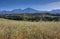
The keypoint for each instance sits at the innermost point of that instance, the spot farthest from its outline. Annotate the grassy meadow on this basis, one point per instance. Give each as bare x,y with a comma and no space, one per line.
11,29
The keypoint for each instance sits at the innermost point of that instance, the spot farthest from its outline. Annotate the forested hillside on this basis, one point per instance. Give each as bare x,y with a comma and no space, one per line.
32,16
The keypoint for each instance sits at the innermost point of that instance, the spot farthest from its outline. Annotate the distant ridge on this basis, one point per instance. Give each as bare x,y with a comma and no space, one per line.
28,10
56,11
17,11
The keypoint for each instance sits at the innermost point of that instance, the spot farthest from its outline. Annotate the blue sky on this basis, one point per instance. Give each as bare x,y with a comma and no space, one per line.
36,4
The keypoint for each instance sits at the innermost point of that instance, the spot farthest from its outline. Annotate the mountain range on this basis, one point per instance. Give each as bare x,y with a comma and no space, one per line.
28,10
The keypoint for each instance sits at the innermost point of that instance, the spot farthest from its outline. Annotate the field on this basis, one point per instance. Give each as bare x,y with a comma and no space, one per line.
11,29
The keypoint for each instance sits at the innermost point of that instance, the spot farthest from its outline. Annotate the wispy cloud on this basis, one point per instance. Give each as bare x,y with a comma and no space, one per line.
54,5
50,6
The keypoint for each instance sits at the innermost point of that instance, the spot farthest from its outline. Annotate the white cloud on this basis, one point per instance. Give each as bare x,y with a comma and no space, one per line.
50,6
54,5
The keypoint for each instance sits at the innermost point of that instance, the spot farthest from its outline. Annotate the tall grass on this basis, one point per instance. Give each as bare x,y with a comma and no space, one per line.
10,29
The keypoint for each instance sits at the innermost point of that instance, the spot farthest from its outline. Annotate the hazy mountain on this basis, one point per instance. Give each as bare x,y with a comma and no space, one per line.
30,10
3,12
27,10
56,11
17,11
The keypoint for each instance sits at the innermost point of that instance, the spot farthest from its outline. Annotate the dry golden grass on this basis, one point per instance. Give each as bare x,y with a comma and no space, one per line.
10,29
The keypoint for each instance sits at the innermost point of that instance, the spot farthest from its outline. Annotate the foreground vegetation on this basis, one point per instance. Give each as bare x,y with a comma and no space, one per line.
11,29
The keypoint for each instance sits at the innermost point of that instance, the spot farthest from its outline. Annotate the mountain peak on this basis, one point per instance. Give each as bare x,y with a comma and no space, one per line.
30,10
